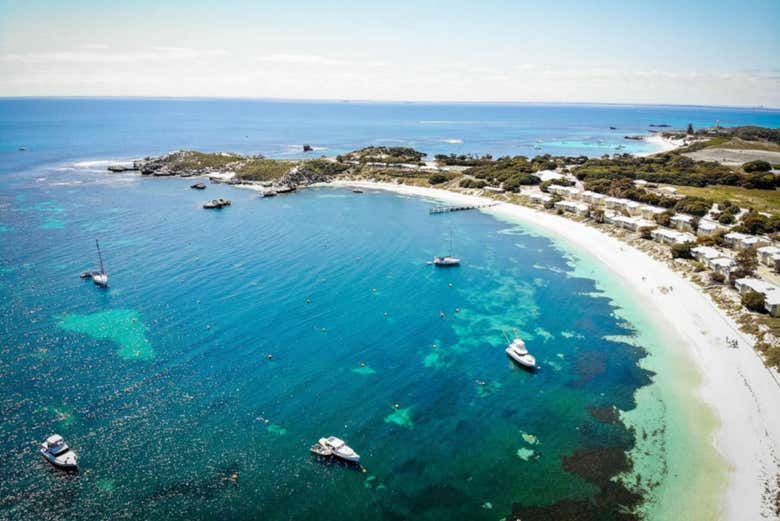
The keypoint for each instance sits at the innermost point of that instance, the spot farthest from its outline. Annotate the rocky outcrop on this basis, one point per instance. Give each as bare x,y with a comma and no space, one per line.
216,204
122,168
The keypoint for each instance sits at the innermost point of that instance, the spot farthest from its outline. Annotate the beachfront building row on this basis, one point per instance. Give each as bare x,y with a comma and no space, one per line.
771,292
715,259
742,241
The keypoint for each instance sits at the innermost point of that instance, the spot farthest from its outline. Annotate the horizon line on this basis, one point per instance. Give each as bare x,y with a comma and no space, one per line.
398,102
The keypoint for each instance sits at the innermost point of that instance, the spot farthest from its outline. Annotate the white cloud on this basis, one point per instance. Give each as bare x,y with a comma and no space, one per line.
93,54
313,59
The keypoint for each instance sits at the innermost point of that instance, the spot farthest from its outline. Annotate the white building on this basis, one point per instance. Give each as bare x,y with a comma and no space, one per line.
770,256
564,191
741,241
771,292
723,265
571,206
708,227
634,224
649,212
540,197
667,236
682,222
593,197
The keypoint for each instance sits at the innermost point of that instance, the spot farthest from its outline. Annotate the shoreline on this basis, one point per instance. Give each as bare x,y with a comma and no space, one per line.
734,384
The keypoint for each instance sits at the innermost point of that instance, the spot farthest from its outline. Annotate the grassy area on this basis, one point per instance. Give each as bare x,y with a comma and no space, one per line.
741,144
263,169
761,200
193,161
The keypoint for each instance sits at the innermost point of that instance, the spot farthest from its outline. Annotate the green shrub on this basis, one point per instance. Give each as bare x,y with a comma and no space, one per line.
682,251
754,301
757,166
437,179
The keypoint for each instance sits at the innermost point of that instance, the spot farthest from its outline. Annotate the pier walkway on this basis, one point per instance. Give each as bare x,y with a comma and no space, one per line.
447,209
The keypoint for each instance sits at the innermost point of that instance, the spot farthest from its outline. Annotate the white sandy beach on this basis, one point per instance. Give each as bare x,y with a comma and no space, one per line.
743,394
661,144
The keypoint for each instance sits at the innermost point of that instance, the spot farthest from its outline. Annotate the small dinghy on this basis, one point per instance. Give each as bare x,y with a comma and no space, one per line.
198,186
321,449
57,452
357,191
519,353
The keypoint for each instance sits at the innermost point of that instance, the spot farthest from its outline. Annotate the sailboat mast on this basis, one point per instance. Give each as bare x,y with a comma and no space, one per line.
100,257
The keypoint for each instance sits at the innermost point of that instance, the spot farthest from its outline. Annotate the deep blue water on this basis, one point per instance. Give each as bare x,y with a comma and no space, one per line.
162,382
69,129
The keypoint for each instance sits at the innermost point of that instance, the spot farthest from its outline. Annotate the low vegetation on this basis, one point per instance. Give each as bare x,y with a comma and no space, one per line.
383,155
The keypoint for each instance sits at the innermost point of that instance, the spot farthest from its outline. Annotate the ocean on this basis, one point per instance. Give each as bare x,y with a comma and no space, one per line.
163,382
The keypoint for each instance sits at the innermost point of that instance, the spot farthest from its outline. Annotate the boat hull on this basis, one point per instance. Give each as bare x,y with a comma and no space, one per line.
66,462
526,361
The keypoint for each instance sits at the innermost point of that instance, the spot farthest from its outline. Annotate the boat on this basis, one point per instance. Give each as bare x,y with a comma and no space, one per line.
321,448
446,261
100,278
269,193
198,186
340,449
57,452
357,191
519,353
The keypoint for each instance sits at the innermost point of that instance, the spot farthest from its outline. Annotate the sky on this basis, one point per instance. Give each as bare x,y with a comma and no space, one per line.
719,52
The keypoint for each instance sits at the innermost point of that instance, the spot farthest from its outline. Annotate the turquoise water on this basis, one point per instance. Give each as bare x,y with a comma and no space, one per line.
163,383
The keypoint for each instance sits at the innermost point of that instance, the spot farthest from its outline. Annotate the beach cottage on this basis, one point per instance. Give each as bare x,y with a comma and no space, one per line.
666,236
770,256
682,222
540,197
742,241
771,292
574,207
564,191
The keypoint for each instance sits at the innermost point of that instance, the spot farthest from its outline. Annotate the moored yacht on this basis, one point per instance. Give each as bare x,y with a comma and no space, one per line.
518,352
341,450
445,261
57,452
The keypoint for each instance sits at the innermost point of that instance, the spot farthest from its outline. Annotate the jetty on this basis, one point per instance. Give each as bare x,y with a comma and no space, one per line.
447,209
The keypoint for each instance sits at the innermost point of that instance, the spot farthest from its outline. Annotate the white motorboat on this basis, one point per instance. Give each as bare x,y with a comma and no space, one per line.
341,449
57,452
518,352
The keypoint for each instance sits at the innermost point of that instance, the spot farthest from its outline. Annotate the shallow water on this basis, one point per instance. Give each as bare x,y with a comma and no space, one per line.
170,392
